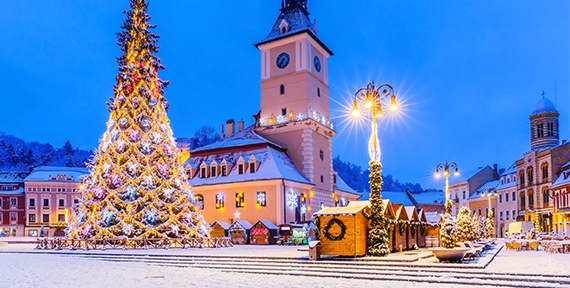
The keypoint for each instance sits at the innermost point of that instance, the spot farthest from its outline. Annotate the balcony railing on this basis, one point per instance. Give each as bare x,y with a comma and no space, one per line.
297,116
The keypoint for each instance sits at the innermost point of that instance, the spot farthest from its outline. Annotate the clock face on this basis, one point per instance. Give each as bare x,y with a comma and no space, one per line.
317,63
282,60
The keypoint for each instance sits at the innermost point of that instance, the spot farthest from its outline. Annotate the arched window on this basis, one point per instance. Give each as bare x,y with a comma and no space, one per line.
545,197
523,201
544,169
521,177
531,199
282,89
199,199
530,175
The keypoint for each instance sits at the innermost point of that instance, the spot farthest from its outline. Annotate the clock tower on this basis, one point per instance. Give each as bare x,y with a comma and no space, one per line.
295,102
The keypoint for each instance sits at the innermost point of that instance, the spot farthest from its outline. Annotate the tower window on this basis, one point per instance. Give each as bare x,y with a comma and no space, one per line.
283,111
550,129
281,89
322,154
318,91
540,130
322,179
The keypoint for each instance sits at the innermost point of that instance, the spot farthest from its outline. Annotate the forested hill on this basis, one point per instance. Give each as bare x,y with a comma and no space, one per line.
19,155
358,178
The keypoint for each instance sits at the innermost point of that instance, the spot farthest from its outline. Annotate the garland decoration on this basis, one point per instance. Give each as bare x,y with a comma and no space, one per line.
414,229
403,225
329,225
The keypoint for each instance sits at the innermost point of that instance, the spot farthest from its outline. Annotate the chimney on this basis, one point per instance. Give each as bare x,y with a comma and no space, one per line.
222,135
240,125
230,127
495,167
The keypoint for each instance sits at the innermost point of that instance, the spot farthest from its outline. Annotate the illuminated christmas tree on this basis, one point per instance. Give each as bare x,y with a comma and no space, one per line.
464,225
489,225
378,235
137,187
447,232
479,229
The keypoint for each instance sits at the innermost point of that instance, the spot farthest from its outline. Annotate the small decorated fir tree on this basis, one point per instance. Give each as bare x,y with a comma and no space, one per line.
464,225
447,233
377,235
489,225
137,187
478,229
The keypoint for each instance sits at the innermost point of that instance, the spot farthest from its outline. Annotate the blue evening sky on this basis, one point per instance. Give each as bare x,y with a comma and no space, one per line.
467,73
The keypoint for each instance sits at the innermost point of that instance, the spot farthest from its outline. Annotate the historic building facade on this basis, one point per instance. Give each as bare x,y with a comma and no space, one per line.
49,194
280,168
506,197
12,212
539,167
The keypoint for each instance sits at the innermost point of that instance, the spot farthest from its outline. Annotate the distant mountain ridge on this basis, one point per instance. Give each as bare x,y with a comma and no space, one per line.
18,155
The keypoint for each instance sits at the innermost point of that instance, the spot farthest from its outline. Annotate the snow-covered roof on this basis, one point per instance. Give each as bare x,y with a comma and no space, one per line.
399,197
429,197
18,191
563,179
432,218
242,223
346,210
274,164
13,176
45,173
400,211
412,212
342,186
487,187
296,19
268,224
244,137
464,176
543,105
223,224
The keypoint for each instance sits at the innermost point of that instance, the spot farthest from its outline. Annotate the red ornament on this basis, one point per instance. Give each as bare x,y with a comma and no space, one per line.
136,77
141,65
129,88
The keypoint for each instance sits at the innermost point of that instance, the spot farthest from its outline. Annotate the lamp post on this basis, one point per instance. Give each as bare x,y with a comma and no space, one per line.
370,98
444,168
489,194
489,223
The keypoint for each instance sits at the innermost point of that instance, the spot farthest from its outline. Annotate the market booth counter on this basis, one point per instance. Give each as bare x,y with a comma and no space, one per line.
343,230
220,229
240,231
264,232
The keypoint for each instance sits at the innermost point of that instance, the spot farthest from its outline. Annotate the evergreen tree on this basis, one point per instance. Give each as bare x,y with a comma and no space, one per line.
203,136
378,236
489,225
478,229
464,225
447,233
137,187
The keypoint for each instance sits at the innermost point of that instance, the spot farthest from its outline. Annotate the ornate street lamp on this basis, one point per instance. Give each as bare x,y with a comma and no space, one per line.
490,193
370,98
445,168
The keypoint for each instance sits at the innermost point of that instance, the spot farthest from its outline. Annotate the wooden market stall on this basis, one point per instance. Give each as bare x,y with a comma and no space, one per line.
264,232
343,230
388,215
240,231
401,227
220,229
286,232
421,236
413,227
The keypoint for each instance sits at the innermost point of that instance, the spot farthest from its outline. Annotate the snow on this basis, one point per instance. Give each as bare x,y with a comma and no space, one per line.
43,173
22,266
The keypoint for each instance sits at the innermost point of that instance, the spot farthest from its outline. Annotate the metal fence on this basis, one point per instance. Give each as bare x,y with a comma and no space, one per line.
128,243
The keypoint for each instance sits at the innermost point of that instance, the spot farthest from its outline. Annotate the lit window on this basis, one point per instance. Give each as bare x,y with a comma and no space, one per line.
60,218
220,201
240,202
32,218
261,199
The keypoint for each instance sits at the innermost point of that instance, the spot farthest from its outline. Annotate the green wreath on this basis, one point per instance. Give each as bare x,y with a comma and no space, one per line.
329,225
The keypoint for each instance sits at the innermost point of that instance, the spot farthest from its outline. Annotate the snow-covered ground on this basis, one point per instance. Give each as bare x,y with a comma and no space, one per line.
40,269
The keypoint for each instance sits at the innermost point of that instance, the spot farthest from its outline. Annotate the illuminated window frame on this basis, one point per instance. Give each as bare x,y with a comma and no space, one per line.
240,200
261,198
220,200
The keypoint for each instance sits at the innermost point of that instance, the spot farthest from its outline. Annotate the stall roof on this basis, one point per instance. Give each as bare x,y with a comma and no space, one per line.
223,224
243,223
268,224
346,210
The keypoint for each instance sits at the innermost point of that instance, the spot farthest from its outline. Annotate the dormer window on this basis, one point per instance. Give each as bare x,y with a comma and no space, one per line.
252,168
213,171
203,172
284,27
240,169
224,170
